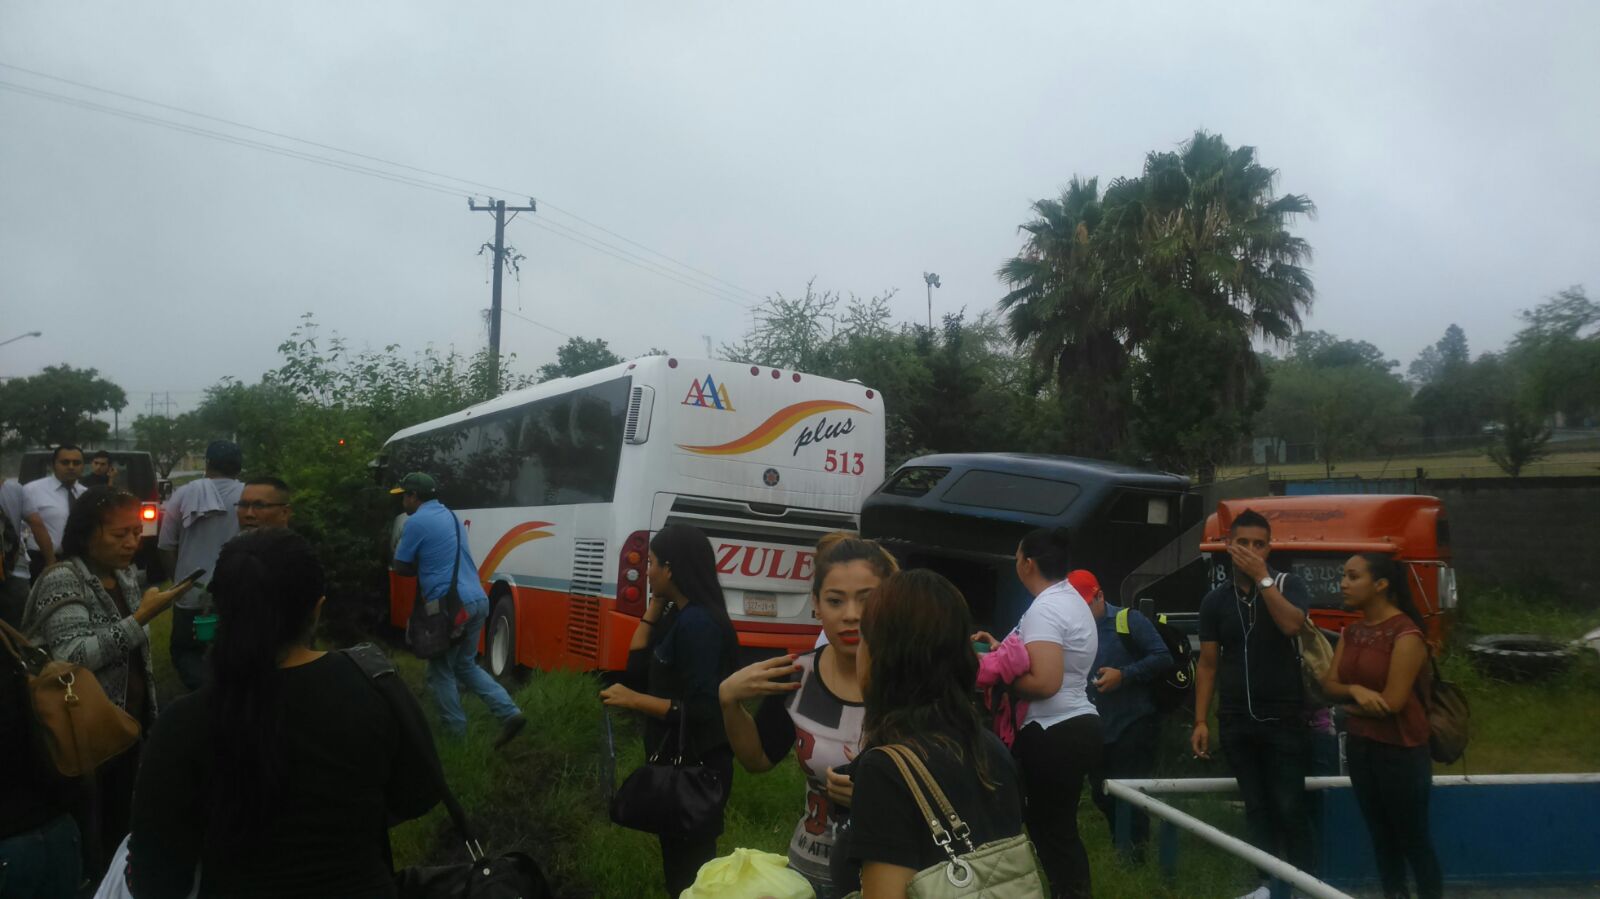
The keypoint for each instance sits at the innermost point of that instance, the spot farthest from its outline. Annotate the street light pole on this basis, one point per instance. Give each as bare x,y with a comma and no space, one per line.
20,336
932,281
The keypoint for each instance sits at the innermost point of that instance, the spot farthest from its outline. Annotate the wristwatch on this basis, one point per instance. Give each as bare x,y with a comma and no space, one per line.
1266,582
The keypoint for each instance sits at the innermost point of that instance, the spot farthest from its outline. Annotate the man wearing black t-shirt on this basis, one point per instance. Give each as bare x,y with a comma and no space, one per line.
1248,650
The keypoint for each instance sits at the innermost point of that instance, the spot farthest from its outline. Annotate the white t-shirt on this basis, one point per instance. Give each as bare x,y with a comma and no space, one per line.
1060,616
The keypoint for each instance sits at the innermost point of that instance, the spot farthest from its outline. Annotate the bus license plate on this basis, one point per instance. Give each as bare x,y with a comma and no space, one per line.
763,604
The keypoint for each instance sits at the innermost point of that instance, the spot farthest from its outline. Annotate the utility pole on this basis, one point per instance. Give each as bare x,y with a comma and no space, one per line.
499,208
932,281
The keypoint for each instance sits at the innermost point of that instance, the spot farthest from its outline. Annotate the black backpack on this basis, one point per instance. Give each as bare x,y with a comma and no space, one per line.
1176,688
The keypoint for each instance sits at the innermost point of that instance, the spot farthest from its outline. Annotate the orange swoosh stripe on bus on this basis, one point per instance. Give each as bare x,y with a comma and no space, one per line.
772,428
526,532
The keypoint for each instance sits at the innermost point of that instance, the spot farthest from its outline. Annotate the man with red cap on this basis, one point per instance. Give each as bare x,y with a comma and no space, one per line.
1129,662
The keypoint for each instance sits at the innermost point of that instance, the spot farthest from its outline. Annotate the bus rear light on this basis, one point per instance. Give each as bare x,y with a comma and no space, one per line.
148,512
631,571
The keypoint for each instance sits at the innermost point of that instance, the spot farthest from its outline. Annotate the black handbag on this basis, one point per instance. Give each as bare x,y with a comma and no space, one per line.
438,624
666,796
512,875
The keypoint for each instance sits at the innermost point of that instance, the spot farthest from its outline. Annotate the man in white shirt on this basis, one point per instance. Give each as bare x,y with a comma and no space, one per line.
198,519
48,500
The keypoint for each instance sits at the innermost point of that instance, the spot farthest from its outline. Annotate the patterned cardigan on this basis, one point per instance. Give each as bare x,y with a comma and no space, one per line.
72,616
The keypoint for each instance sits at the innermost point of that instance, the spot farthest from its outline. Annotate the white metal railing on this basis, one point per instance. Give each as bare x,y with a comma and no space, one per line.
1267,862
1134,793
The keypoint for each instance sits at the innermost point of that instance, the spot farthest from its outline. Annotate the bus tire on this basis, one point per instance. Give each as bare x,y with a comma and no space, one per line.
500,641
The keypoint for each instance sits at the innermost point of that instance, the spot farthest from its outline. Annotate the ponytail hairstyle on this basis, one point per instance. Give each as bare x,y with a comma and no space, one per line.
842,548
1047,547
1383,567
267,584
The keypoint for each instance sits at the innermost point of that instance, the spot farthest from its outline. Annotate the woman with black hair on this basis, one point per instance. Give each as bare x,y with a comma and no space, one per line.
682,649
1060,743
88,608
1379,667
918,673
282,774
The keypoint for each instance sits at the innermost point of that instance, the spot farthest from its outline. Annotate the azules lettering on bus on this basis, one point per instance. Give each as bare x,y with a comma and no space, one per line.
775,563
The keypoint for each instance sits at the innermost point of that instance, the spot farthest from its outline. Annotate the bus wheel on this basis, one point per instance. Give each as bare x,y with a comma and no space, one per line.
500,647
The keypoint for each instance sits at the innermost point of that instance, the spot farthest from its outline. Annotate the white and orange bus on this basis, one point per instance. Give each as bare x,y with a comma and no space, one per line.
561,485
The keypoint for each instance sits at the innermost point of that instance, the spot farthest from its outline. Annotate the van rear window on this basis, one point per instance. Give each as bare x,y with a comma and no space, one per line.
914,482
1012,493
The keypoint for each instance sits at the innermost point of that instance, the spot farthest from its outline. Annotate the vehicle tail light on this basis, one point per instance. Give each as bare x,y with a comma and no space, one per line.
149,512
633,587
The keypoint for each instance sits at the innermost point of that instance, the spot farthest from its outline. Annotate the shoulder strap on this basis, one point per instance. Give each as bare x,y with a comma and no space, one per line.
377,667
909,763
1122,622
455,566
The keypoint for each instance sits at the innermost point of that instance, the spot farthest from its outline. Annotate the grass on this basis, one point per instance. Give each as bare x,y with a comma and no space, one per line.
1446,465
544,793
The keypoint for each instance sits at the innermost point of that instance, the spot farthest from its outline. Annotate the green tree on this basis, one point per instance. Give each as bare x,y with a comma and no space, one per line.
1344,408
579,357
168,439
57,406
1448,356
1557,352
1057,309
1320,349
1457,396
1162,285
1523,440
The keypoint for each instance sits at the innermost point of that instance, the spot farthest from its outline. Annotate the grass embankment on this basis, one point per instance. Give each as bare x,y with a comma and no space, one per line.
1573,463
544,794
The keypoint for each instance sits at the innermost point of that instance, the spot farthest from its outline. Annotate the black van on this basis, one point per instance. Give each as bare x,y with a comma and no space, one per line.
963,515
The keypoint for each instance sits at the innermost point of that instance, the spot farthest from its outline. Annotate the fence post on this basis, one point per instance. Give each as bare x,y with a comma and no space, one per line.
1169,851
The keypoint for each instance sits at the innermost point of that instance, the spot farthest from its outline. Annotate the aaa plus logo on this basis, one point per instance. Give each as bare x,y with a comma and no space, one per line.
708,395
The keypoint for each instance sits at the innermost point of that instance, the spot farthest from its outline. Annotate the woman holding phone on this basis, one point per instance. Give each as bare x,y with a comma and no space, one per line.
813,704
88,609
682,648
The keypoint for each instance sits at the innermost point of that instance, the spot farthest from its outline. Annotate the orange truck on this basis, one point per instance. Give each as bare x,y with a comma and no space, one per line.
1313,537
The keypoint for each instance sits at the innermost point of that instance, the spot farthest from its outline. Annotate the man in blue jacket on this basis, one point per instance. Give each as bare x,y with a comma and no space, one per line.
1126,668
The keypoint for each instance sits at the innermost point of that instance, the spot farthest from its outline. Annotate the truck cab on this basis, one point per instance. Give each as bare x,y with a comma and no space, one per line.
1313,537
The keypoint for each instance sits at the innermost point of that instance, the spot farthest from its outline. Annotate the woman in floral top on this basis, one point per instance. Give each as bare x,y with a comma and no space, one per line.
88,609
1380,671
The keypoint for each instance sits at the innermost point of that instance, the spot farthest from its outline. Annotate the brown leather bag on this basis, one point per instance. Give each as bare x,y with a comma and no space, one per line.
80,727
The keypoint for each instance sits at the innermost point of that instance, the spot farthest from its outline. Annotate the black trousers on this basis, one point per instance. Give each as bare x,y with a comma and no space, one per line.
1271,760
1055,762
681,857
1131,756
1391,784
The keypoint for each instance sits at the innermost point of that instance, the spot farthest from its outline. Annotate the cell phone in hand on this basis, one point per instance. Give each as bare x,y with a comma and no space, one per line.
193,576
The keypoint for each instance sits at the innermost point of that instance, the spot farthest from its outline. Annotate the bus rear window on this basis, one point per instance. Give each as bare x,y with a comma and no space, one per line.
915,482
1012,493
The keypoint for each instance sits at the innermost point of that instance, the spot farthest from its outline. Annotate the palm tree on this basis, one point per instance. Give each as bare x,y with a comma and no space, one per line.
1056,308
1200,262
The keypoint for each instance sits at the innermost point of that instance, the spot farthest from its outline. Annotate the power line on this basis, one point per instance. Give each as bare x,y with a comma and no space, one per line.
389,162
538,324
630,258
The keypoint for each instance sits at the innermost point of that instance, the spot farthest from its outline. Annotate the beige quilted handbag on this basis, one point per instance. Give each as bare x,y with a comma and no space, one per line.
1003,869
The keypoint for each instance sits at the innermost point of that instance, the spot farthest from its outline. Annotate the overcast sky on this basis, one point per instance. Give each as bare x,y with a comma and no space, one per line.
1450,149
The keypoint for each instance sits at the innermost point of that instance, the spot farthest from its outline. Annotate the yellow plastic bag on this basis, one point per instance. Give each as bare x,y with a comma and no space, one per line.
749,874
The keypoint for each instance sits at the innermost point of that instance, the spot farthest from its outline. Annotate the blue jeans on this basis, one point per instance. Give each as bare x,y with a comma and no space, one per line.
1271,760
458,668
44,863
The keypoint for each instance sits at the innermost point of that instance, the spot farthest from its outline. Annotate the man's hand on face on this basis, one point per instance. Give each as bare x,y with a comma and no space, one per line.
1247,562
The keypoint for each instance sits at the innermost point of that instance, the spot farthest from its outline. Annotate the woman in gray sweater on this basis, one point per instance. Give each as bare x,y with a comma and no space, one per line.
88,609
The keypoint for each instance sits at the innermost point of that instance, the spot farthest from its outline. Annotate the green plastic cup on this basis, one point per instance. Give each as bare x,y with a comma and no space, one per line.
205,628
